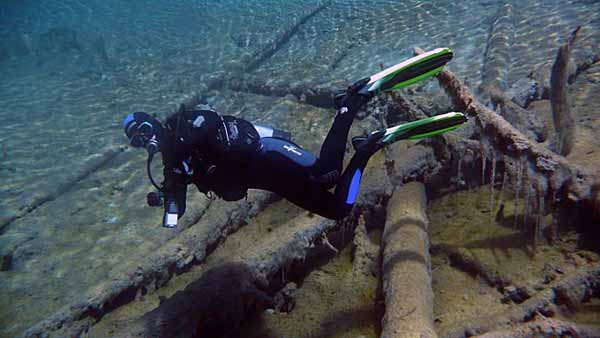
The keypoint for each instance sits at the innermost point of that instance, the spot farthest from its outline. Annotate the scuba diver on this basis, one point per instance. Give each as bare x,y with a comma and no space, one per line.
225,156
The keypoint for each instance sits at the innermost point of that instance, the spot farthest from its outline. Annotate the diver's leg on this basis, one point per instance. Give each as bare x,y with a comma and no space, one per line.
329,165
348,186
284,169
315,198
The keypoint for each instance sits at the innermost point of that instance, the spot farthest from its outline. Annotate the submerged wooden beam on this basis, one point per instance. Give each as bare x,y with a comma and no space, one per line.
319,96
190,247
558,174
407,266
564,119
546,327
221,299
569,291
61,186
497,60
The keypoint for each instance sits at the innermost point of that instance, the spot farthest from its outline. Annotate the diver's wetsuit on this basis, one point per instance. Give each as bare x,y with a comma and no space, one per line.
227,156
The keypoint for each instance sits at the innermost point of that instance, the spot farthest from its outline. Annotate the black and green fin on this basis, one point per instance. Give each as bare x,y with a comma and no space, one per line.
422,128
409,71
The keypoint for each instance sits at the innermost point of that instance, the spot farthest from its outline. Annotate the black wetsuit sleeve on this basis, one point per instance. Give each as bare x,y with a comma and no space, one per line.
175,188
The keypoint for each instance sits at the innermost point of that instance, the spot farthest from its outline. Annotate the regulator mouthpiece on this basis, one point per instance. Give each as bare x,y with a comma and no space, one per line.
152,147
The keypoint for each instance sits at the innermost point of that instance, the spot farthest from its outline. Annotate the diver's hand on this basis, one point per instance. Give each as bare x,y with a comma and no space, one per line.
154,198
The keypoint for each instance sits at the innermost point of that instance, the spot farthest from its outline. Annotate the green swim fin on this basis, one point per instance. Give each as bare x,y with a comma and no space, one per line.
409,71
422,128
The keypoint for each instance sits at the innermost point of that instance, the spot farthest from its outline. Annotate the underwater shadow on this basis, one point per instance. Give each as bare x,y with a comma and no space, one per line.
503,244
346,320
213,306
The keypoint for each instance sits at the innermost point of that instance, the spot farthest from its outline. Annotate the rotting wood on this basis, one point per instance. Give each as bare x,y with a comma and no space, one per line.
562,176
583,64
432,160
536,86
564,119
571,290
546,327
62,186
529,124
221,299
319,96
191,246
496,64
341,54
406,266
541,74
365,253
495,70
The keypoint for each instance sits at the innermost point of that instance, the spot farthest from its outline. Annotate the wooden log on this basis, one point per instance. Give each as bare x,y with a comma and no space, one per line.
546,327
572,181
529,124
580,282
497,60
221,299
564,119
365,254
406,266
315,95
539,78
583,64
190,247
57,188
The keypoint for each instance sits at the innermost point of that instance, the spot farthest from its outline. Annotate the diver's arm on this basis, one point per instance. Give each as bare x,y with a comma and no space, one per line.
175,193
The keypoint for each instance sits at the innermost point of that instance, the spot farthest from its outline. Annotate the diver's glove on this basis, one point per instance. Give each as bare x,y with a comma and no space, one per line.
352,98
154,198
171,211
